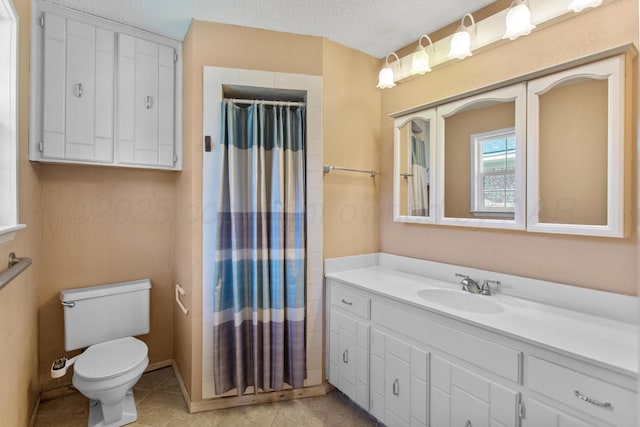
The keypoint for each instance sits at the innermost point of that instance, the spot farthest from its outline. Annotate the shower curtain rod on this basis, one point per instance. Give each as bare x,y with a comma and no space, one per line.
261,101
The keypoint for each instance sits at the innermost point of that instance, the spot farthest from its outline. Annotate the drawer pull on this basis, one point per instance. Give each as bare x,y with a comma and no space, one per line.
345,356
396,387
344,301
590,400
77,90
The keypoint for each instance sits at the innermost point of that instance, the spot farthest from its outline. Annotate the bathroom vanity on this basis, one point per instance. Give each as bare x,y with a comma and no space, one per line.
408,345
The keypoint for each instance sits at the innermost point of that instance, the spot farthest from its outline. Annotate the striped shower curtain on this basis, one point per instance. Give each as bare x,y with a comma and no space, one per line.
260,272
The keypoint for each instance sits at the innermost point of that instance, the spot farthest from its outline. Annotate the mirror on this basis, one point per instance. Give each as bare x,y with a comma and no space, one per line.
481,159
577,115
414,166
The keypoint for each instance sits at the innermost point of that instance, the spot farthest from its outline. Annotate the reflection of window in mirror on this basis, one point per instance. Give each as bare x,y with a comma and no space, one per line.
493,161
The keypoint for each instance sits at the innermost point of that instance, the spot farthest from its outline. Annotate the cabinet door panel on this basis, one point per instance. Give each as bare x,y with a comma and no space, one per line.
146,102
126,96
54,86
105,68
539,414
465,407
165,106
397,386
80,90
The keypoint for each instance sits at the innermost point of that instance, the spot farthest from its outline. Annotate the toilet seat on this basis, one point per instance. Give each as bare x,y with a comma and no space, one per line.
111,359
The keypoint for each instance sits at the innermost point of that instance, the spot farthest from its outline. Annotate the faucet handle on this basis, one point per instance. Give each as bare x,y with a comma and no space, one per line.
486,288
464,276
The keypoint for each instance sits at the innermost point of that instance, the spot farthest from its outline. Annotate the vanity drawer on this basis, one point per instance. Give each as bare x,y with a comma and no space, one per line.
494,357
566,386
350,301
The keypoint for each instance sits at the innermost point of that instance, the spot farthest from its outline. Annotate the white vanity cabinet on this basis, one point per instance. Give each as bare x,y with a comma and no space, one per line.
102,93
398,381
145,102
419,365
349,344
78,70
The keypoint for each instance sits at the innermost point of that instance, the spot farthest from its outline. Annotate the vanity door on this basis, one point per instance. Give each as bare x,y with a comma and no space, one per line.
460,397
398,381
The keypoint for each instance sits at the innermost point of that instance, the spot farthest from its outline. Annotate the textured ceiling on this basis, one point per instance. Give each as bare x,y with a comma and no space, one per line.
375,27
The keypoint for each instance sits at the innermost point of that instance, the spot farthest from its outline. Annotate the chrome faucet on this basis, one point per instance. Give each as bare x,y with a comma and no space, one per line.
468,284
486,289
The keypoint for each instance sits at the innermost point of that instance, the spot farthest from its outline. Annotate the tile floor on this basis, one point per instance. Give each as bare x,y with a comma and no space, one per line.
160,404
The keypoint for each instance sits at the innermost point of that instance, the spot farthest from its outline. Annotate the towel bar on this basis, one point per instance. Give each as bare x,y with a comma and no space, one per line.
16,266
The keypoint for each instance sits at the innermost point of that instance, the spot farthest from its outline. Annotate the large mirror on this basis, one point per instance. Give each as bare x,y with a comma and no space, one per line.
575,137
414,168
481,159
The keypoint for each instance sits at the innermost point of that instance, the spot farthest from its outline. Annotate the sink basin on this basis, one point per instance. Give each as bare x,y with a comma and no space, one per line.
461,300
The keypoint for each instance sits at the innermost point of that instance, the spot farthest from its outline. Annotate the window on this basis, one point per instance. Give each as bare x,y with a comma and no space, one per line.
493,160
8,122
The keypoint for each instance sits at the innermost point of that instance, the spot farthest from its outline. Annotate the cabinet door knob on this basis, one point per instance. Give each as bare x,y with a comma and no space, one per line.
590,400
344,301
396,387
148,102
77,90
345,356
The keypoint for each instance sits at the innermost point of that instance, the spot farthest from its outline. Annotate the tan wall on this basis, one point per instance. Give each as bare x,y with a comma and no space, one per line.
19,299
242,48
105,225
600,263
351,133
351,139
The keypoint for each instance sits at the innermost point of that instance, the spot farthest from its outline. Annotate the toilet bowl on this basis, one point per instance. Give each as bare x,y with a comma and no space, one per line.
106,374
103,319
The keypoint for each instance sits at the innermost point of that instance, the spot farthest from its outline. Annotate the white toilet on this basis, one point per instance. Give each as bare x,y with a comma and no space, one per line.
105,319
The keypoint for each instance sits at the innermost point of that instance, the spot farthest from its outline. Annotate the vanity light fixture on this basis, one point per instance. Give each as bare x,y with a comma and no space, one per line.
518,20
420,57
461,41
579,5
386,78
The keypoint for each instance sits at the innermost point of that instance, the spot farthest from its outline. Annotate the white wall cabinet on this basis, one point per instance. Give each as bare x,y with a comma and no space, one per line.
103,93
415,367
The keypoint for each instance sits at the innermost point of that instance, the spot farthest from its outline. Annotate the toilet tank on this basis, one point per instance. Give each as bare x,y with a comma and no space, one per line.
102,313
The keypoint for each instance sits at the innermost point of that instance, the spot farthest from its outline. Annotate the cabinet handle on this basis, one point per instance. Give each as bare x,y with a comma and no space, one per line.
77,90
396,387
344,301
590,400
148,102
468,424
345,356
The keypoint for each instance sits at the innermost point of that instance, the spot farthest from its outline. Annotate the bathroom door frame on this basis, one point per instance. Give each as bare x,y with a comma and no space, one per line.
214,80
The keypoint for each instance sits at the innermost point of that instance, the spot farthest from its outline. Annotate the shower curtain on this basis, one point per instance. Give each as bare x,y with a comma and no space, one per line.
419,184
260,272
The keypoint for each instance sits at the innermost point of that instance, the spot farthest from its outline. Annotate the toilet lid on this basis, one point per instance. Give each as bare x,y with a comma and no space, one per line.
111,358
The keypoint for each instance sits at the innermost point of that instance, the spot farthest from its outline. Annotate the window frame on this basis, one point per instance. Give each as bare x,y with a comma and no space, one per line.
477,188
9,118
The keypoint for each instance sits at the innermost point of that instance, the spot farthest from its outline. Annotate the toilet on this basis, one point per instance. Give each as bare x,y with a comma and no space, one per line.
105,319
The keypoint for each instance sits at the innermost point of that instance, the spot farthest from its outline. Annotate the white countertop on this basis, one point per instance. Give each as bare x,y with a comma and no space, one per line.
598,339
